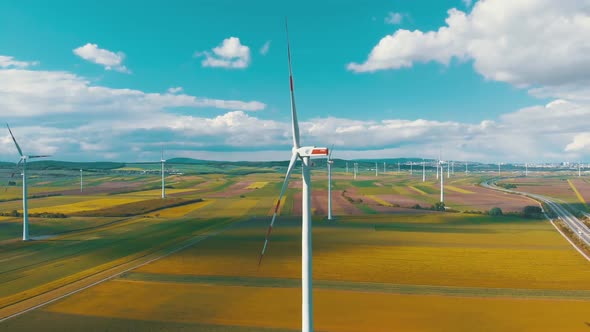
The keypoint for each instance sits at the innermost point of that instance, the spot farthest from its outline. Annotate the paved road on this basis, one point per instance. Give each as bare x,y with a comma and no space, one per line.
577,226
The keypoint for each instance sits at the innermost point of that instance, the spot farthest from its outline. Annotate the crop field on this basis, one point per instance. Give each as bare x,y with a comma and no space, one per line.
380,266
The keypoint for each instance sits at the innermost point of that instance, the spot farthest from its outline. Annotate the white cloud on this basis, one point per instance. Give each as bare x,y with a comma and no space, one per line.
394,18
109,60
539,44
265,48
25,93
580,142
175,90
63,114
230,54
10,62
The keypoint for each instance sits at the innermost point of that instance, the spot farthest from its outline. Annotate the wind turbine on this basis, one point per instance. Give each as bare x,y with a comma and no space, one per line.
376,170
23,162
163,162
347,167
437,168
442,181
304,154
423,171
449,170
499,169
355,169
81,181
384,168
330,162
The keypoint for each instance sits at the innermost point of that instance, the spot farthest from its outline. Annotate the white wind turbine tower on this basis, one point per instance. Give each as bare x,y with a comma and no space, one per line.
355,169
423,171
163,162
376,169
499,169
399,167
437,168
465,167
81,181
347,167
303,153
23,162
449,170
329,163
442,181
384,168
411,168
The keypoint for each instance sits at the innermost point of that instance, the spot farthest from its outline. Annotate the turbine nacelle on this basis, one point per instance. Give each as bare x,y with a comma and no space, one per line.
311,151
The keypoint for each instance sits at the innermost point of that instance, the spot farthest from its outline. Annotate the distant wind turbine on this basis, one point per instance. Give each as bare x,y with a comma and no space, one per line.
304,154
163,162
376,169
442,181
423,171
81,181
23,162
329,163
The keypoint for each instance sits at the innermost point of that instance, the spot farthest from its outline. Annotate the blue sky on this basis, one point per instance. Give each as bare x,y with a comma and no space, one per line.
90,81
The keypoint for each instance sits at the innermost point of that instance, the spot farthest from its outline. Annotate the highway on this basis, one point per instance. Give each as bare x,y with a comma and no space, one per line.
575,224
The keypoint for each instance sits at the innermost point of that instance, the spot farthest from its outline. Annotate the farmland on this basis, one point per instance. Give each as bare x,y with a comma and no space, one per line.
383,264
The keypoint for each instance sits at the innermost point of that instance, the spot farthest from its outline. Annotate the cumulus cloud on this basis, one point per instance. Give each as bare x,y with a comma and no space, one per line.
63,114
535,44
229,54
394,18
109,60
175,90
10,62
25,93
265,48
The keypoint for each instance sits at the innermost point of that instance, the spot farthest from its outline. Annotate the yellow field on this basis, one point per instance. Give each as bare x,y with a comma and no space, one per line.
580,197
379,200
180,211
90,205
157,192
134,169
257,185
511,256
458,190
421,192
335,310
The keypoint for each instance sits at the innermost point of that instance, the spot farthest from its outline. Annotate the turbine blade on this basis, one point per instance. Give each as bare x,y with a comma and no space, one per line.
274,215
295,123
14,139
41,156
13,173
330,153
